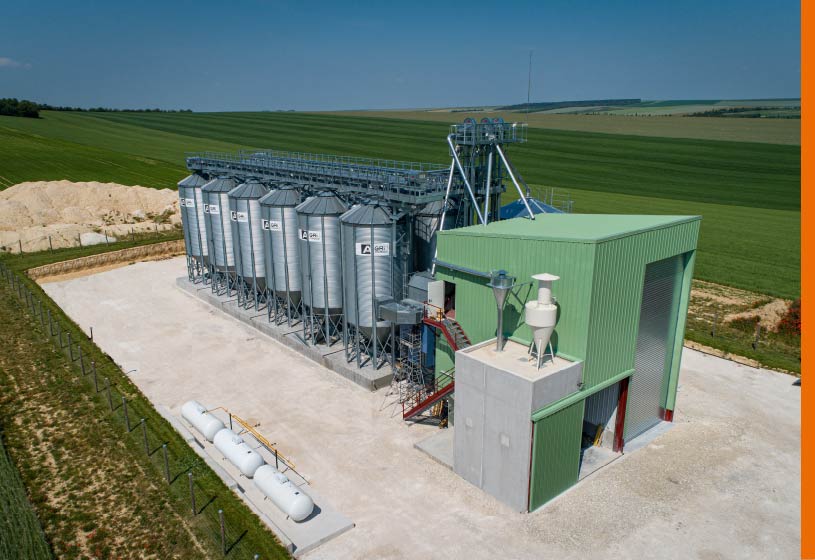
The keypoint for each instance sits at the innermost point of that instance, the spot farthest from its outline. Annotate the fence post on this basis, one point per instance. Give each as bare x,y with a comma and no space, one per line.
50,247
166,462
192,494
20,243
95,381
110,399
91,334
223,531
106,236
127,417
275,460
79,238
81,360
144,434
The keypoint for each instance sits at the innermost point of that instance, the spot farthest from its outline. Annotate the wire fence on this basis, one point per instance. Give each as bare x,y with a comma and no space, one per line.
47,242
136,418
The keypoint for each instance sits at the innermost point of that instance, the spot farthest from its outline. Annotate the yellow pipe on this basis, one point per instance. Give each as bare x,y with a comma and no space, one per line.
257,436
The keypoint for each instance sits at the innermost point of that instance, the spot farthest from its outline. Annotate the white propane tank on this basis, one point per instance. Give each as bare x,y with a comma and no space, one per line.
238,452
541,314
195,413
277,487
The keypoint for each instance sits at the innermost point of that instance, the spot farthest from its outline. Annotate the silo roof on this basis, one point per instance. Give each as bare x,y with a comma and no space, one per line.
251,189
194,180
368,214
325,204
285,196
221,184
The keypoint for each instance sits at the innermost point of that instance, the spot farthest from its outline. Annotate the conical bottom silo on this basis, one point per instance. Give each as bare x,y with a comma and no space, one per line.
373,274
318,220
191,207
247,237
282,251
215,195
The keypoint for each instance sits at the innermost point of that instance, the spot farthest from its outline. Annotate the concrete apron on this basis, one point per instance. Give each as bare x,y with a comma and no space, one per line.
330,357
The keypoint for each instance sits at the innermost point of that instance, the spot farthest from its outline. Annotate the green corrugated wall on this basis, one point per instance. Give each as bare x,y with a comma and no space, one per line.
599,295
617,291
555,454
475,304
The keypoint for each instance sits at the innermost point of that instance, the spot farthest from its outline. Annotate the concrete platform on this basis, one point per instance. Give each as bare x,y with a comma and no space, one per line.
439,447
723,482
323,525
331,357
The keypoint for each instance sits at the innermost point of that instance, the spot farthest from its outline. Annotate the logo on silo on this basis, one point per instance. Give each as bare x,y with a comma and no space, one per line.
233,216
311,236
377,249
214,209
275,225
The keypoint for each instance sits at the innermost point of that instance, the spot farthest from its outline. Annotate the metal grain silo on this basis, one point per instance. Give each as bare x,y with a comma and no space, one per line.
247,236
318,220
219,232
282,252
425,226
372,252
191,206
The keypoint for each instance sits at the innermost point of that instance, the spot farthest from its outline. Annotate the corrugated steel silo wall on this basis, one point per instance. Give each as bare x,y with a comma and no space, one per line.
555,454
617,292
475,303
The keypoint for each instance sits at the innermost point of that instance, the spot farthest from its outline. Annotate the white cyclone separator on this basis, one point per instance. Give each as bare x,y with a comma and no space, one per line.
541,314
195,413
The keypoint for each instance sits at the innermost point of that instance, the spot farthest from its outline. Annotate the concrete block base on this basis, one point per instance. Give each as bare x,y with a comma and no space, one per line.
330,357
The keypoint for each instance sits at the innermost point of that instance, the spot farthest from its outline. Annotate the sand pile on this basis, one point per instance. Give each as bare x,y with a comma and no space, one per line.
31,212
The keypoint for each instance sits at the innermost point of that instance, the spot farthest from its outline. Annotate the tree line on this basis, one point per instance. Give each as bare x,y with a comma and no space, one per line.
13,107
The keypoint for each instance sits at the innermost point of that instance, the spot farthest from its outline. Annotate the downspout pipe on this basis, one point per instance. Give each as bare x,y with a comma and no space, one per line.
464,177
514,180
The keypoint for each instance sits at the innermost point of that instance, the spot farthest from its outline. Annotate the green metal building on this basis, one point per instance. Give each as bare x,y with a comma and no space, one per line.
622,296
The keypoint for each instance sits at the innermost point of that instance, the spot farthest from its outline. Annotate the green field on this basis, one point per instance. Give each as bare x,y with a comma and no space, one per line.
117,503
20,533
769,131
747,192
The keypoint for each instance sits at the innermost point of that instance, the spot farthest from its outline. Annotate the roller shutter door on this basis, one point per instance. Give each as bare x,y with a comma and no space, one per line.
654,341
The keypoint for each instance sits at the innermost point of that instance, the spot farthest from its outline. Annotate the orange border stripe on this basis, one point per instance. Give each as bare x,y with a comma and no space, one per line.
807,277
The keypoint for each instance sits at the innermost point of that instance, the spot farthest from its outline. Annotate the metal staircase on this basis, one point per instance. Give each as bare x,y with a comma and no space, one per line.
443,385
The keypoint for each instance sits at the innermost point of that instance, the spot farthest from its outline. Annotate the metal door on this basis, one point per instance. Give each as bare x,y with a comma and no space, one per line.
655,338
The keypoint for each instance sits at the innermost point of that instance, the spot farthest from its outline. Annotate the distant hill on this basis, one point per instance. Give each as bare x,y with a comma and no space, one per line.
549,105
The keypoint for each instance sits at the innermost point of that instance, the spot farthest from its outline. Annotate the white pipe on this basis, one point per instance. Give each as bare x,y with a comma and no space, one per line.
464,176
515,181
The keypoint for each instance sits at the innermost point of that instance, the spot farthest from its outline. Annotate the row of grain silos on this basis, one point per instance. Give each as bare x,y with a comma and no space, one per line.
316,261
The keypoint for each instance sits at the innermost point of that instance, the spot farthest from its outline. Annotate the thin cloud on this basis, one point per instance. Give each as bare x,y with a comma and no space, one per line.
6,62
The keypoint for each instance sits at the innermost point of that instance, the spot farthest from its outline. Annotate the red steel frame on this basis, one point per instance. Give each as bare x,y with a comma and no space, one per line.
619,424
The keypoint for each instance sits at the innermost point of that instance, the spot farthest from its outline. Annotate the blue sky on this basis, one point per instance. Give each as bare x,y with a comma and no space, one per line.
257,54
